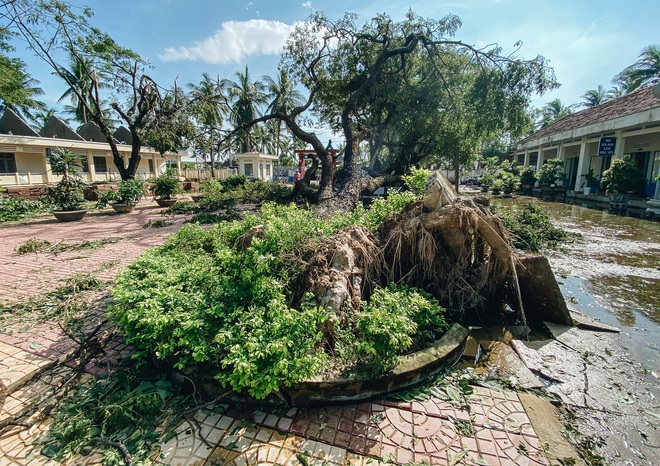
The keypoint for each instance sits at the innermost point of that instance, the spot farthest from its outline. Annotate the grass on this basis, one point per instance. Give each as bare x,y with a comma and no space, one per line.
41,245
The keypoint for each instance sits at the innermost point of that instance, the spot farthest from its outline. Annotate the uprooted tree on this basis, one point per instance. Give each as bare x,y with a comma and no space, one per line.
407,87
54,30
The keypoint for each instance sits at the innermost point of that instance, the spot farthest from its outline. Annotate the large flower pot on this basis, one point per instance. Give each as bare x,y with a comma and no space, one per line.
69,215
123,208
587,190
166,202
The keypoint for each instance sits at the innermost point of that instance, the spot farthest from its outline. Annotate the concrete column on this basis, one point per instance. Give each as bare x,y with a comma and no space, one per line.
620,145
46,168
526,161
583,163
539,159
90,166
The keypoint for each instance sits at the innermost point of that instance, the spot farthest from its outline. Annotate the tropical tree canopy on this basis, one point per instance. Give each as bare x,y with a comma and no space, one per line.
53,29
646,70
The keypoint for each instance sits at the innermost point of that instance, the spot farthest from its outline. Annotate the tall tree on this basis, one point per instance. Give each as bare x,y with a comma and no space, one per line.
595,97
208,107
52,28
247,98
347,70
283,97
646,70
553,111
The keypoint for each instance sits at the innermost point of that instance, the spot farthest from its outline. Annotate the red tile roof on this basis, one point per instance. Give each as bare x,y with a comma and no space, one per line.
633,102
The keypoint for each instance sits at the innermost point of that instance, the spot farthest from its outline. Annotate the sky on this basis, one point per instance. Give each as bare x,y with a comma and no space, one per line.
587,42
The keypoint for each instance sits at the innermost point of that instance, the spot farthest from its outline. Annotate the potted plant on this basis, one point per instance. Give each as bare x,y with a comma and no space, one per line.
623,177
165,187
551,173
486,182
528,179
125,198
67,196
590,182
510,182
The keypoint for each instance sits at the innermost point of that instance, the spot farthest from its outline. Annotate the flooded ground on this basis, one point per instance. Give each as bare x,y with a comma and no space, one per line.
612,274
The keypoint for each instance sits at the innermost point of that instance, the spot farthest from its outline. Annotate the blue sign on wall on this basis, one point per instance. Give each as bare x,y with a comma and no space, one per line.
606,146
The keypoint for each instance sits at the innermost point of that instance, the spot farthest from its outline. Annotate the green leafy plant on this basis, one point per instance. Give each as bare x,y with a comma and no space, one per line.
552,172
416,180
530,227
129,192
16,208
67,194
166,186
623,176
528,176
222,297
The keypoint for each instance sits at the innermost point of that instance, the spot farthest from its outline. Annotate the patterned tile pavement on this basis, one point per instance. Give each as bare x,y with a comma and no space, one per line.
492,428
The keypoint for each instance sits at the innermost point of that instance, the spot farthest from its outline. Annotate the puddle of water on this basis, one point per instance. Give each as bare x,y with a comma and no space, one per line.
613,274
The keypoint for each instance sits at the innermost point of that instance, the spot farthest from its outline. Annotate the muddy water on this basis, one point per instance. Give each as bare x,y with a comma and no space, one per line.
612,274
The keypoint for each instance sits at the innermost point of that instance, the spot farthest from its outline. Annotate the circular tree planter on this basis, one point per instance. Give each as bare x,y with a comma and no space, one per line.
123,208
166,202
364,382
69,215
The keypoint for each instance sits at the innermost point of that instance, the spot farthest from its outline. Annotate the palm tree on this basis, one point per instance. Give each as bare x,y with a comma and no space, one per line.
617,90
594,97
79,78
553,111
646,70
41,117
283,97
208,108
247,97
23,97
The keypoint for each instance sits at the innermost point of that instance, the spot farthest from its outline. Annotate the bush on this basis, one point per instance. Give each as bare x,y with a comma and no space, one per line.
222,297
623,176
16,208
416,181
552,172
531,227
166,185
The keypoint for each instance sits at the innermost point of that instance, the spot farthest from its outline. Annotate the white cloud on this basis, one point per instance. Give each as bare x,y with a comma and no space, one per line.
234,42
307,4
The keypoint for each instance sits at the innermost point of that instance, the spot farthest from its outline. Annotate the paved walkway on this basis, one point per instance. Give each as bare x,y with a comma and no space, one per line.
494,427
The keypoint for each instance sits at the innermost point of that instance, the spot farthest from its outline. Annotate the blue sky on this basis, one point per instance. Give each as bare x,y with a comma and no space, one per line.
586,42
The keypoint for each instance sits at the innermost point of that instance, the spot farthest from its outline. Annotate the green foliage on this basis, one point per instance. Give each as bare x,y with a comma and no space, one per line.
16,208
552,172
125,409
528,176
416,180
531,227
40,245
167,185
392,319
129,192
67,194
623,176
230,215
222,296
381,209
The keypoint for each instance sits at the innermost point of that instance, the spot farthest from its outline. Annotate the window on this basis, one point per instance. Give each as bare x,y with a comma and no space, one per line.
248,169
261,171
268,169
151,165
100,165
84,163
7,163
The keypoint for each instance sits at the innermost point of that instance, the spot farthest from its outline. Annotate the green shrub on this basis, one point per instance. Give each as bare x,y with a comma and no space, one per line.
623,176
531,227
16,208
416,180
222,296
552,172
392,319
167,185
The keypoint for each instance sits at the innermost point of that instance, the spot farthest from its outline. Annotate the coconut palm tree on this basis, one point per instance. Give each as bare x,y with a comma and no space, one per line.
553,111
247,98
646,70
208,107
617,90
283,97
594,97
24,98
79,77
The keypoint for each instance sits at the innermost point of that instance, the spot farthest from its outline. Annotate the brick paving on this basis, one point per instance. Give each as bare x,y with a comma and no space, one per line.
492,428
